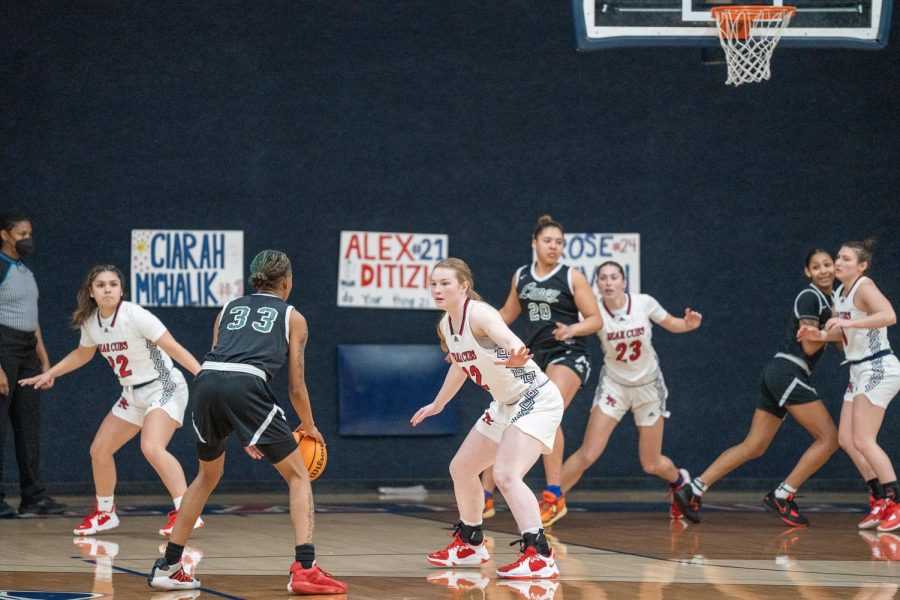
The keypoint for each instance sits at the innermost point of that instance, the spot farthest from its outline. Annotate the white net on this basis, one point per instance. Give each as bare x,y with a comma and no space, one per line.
748,35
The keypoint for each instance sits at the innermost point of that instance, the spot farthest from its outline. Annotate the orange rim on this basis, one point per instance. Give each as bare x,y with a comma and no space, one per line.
743,17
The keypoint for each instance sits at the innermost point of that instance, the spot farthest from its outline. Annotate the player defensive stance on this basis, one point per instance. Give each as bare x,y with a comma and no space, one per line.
251,339
154,393
861,317
518,426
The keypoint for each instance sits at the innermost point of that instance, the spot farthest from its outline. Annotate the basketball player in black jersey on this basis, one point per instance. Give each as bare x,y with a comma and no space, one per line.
549,296
252,337
785,388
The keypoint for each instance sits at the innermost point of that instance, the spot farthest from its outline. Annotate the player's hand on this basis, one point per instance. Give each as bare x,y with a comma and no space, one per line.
692,318
40,382
562,332
429,410
517,358
448,359
312,431
253,452
808,333
837,323
4,384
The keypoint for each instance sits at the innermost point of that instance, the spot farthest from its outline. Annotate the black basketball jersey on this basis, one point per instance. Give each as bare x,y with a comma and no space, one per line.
545,301
253,330
810,303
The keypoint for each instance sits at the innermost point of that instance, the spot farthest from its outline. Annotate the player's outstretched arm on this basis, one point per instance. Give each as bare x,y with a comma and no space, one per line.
452,382
75,359
178,352
689,322
486,321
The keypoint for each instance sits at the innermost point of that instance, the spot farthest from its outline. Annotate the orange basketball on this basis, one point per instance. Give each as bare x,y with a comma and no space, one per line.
314,454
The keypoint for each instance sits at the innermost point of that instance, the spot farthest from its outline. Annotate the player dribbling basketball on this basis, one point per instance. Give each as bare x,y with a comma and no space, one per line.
252,338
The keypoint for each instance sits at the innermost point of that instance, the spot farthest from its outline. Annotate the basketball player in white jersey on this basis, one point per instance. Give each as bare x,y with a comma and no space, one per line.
518,426
630,380
154,394
861,317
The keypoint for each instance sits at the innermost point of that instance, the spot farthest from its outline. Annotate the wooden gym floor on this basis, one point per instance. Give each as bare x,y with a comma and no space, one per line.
611,545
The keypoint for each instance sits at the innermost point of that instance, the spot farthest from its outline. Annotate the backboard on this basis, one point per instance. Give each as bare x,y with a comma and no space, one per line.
823,23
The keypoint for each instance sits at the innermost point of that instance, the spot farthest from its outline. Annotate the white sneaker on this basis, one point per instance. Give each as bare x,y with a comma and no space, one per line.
530,565
96,522
164,576
459,553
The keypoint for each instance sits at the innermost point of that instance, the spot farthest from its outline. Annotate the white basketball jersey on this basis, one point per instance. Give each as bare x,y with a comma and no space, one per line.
476,356
628,356
858,343
126,342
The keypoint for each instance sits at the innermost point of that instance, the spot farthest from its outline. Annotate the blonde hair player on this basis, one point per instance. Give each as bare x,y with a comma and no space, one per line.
154,395
518,426
252,338
549,296
861,317
630,380
785,387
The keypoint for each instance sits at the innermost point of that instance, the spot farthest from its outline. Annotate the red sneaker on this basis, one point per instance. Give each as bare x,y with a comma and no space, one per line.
890,516
530,565
313,581
553,508
458,554
876,509
170,524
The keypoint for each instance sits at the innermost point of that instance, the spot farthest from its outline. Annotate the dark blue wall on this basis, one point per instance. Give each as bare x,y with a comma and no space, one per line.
293,121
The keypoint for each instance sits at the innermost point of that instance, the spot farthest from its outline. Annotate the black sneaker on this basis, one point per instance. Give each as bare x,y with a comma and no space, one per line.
688,502
44,506
6,511
785,509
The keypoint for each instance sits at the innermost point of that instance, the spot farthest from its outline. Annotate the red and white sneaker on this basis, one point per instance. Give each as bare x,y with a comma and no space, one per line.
530,565
873,519
96,522
164,576
170,524
890,516
460,554
459,580
313,581
540,589
675,510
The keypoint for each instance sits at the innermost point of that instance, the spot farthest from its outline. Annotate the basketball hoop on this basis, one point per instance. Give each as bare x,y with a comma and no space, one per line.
749,35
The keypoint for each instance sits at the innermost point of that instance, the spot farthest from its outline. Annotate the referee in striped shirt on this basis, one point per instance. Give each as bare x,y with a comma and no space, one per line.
22,354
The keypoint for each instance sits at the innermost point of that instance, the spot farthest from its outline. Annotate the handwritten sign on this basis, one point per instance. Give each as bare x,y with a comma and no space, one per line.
186,267
388,270
587,251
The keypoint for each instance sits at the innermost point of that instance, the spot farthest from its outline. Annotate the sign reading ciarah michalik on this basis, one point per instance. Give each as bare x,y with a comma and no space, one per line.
388,270
176,267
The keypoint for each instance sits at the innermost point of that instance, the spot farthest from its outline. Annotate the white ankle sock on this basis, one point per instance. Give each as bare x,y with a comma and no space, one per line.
105,503
177,502
784,490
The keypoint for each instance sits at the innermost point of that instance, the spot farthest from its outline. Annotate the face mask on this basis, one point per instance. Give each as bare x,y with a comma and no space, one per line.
25,247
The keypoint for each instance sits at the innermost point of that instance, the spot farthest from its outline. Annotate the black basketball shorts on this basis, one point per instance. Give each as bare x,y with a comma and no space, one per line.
576,359
226,402
784,383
